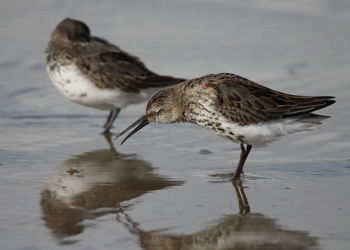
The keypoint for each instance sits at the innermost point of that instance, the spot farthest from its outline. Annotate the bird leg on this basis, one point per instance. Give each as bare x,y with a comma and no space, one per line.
111,118
243,158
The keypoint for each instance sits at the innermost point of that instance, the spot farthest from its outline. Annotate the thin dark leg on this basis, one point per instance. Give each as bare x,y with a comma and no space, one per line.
111,118
243,158
108,118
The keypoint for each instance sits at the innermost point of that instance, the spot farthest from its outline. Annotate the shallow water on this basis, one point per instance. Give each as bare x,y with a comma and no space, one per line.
64,186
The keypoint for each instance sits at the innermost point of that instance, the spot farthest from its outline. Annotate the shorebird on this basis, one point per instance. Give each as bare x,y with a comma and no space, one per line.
235,108
92,72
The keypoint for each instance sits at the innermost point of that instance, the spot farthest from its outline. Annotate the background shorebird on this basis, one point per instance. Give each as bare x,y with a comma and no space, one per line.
234,108
93,72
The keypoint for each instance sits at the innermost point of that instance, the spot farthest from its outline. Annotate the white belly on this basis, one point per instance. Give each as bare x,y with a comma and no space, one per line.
263,133
256,134
75,86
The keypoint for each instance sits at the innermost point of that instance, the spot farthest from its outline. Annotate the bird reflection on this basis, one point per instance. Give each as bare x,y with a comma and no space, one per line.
241,231
90,185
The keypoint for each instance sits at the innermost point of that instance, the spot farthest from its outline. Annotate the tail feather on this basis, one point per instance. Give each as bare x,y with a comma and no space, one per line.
309,105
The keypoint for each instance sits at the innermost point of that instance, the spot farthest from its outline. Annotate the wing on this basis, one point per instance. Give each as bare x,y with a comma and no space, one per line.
111,68
245,102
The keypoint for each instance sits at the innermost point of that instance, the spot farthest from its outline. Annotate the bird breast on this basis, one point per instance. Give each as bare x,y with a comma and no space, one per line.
75,86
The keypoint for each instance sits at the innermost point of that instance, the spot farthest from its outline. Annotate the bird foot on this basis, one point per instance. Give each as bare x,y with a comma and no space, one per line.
237,176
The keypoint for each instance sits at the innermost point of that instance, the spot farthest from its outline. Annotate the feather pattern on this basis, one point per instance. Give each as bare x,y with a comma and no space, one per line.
244,102
107,66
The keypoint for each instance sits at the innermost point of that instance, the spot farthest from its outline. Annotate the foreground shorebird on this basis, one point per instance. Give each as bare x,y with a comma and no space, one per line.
234,108
93,72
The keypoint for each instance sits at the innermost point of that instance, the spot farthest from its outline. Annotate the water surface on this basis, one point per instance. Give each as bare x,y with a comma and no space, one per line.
63,185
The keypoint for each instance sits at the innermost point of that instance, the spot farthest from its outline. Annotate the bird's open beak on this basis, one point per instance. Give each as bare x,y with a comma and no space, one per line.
140,123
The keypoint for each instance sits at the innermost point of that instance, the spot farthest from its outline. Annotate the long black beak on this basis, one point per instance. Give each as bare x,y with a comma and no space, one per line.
140,123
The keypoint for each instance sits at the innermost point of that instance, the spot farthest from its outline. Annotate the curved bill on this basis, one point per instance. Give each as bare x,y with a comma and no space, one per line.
140,123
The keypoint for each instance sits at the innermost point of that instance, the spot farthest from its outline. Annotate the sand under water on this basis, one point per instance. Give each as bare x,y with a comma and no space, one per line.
62,185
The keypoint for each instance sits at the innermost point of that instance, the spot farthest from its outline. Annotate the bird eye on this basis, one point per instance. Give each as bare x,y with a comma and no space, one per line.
160,111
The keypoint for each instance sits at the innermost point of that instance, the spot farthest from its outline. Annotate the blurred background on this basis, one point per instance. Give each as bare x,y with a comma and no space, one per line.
56,169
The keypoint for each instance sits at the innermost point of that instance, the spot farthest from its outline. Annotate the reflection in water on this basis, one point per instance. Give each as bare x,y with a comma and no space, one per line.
242,231
92,184
95,183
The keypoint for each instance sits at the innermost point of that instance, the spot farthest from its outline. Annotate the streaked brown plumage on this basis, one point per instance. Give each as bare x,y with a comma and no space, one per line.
234,108
245,102
72,54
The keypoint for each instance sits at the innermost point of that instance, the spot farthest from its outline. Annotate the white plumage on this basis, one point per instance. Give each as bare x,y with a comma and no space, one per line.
75,86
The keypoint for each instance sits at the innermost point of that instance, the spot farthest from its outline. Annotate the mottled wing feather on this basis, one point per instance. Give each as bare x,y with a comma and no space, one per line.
118,69
246,102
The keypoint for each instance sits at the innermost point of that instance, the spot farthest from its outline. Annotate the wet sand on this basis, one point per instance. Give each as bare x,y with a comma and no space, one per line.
64,187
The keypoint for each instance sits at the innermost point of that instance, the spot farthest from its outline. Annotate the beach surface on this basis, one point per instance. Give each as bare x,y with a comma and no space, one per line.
64,186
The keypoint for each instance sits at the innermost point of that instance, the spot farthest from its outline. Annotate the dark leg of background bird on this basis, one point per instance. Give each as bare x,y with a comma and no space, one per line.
244,207
244,155
111,118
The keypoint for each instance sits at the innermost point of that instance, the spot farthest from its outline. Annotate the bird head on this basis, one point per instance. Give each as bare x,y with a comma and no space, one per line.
71,30
164,107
